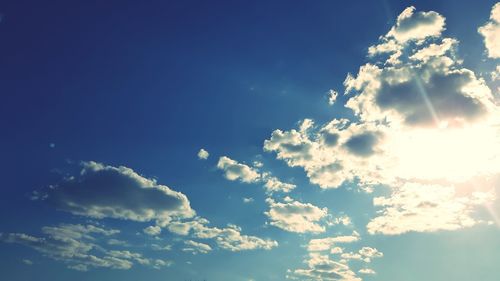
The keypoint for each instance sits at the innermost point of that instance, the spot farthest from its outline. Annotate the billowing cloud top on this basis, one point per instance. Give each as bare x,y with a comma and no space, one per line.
491,32
416,26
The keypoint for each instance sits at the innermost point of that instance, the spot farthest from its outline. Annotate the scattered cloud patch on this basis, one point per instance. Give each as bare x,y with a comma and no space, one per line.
248,200
425,208
203,154
152,230
325,244
367,271
491,32
76,245
294,216
196,247
237,171
332,97
101,191
321,267
273,184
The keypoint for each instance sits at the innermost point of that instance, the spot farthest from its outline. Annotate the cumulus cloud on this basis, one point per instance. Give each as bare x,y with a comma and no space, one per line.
330,155
367,271
152,230
237,171
196,247
491,32
324,244
425,208
411,25
365,254
203,154
273,184
75,245
227,238
421,118
294,216
101,191
321,267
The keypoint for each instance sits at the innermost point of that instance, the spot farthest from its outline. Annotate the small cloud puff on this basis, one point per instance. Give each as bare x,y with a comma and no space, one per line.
203,154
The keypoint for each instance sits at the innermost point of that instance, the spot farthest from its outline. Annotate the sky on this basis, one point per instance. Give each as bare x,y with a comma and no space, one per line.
250,140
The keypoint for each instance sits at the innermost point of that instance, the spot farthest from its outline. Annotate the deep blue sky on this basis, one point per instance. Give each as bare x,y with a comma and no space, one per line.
146,84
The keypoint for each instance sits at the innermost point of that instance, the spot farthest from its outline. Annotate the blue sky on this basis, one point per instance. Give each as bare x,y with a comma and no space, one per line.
245,140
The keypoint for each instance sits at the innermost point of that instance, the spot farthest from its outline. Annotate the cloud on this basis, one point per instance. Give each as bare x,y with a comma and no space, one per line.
332,97
196,247
425,208
491,32
157,247
248,200
416,26
230,238
237,171
367,271
101,191
116,242
362,144
76,245
438,92
365,254
203,154
294,216
27,262
152,230
273,184
227,238
331,154
322,268
324,244
422,121
435,50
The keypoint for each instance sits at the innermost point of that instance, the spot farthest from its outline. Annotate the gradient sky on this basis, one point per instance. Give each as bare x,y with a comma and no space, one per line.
250,140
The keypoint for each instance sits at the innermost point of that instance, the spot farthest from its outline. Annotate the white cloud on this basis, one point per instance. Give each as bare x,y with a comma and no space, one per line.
27,262
76,246
367,271
420,118
324,244
248,200
365,254
434,50
203,154
425,208
322,268
196,247
237,171
227,238
411,25
152,230
273,184
157,247
332,97
491,32
101,191
294,216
